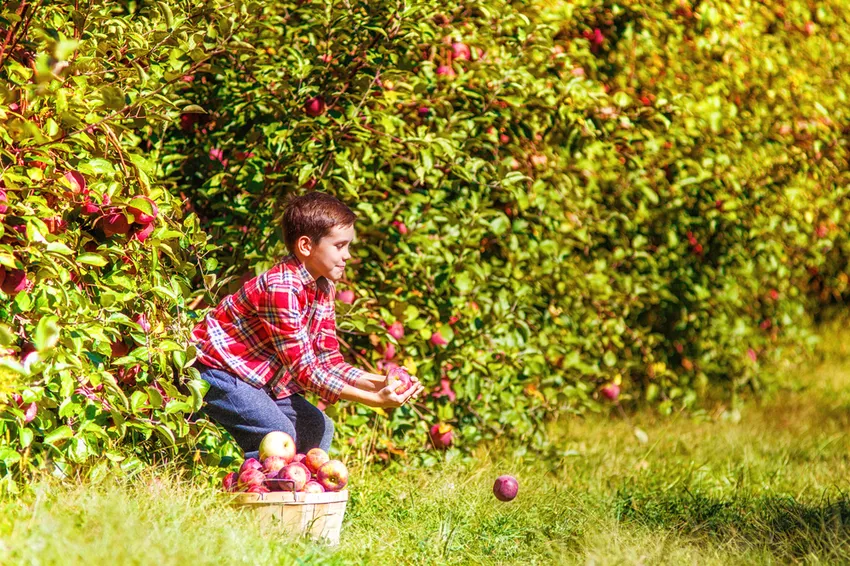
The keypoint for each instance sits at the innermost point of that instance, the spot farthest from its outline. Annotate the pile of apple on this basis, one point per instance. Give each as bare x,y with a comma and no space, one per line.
281,469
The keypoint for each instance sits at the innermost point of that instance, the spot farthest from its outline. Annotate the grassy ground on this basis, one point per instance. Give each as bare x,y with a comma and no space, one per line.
766,484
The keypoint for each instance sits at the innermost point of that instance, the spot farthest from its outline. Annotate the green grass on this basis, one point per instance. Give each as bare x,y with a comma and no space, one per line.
764,484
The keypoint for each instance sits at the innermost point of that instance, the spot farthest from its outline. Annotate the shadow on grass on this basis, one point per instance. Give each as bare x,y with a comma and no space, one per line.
782,526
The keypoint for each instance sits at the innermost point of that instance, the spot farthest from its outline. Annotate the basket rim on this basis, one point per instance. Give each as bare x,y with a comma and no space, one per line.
290,498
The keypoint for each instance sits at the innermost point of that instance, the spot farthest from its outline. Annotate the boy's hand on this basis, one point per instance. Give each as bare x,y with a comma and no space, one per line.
388,398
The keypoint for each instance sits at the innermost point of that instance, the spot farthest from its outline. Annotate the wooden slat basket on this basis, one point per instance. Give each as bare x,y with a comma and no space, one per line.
317,514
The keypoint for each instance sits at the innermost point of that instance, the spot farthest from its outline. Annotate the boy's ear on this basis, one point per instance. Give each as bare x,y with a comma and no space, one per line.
304,245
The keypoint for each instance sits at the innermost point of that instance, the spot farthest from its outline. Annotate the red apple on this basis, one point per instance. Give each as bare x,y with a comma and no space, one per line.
14,282
396,330
273,464
461,51
441,436
314,106
77,181
315,458
445,71
229,483
138,209
143,233
142,321
297,472
250,464
257,488
611,391
3,207
505,488
299,458
437,339
250,478
119,349
399,379
333,475
115,223
346,296
313,486
424,111
277,443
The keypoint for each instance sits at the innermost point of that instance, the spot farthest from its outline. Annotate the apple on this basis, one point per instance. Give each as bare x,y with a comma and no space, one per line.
277,443
273,464
299,457
441,436
505,488
396,330
143,233
3,207
424,111
229,482
297,472
77,181
314,106
119,349
437,339
346,296
14,282
89,207
611,391
333,475
55,224
399,379
142,321
251,477
250,464
461,51
313,486
140,216
315,458
115,223
257,488
445,71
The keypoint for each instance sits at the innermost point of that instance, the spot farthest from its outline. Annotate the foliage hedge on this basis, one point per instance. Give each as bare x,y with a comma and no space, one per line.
552,197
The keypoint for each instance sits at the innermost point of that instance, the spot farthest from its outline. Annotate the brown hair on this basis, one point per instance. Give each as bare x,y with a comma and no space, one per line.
313,215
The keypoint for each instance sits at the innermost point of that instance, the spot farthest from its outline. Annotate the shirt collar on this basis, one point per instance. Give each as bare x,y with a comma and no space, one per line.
303,274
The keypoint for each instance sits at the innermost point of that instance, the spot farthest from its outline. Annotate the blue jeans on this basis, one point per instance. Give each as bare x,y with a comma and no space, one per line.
248,414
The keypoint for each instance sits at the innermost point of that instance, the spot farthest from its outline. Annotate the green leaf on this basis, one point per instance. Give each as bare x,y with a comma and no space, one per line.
91,259
58,434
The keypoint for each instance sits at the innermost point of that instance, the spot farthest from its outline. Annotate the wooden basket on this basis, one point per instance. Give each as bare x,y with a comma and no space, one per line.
317,514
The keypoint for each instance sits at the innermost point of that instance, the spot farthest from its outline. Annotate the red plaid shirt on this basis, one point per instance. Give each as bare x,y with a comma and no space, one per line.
279,332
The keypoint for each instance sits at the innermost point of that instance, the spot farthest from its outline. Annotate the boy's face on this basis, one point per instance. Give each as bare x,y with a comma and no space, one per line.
327,258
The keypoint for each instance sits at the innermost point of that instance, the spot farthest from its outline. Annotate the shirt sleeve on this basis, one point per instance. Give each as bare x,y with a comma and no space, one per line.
280,314
328,349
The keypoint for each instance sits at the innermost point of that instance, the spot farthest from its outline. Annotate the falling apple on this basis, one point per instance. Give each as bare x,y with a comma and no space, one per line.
505,488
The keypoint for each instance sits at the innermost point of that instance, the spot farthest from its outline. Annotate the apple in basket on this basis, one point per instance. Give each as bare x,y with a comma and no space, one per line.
314,459
333,475
277,443
297,472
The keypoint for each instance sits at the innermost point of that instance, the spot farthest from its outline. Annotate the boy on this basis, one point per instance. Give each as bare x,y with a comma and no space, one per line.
276,337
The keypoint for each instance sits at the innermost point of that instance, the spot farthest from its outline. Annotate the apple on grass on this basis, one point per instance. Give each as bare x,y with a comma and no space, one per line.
332,475
277,443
